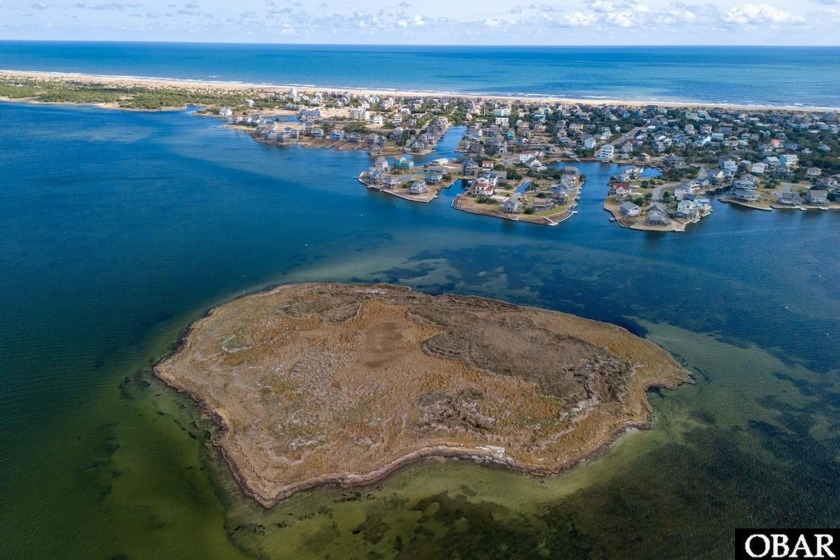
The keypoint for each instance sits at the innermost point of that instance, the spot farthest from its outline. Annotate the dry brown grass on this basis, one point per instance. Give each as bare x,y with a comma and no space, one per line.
332,383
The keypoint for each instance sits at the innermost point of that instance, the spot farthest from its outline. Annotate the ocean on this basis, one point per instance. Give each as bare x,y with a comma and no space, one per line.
118,229
808,76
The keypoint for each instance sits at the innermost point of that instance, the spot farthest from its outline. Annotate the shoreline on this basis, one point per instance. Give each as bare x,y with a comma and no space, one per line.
238,86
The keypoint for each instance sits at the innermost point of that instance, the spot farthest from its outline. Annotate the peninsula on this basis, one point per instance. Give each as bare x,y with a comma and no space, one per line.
338,384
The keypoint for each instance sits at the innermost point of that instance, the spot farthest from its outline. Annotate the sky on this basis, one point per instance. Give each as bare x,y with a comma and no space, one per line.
430,22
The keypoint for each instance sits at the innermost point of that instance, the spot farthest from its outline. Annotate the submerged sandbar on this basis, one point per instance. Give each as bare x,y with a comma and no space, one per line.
317,384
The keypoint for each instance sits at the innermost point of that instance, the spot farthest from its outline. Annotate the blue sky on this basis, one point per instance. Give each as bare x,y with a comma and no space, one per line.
485,22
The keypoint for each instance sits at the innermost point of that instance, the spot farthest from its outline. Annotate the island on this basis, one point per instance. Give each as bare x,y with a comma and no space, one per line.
342,384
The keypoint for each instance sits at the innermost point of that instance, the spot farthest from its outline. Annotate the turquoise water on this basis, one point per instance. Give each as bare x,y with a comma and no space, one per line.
118,229
807,76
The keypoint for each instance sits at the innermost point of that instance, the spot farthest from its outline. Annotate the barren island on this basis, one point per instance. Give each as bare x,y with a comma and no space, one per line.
339,384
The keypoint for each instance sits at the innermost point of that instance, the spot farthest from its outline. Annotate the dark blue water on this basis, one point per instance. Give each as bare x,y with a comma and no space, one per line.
117,229
740,75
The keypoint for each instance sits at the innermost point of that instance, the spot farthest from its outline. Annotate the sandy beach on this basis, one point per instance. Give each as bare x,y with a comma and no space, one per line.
242,87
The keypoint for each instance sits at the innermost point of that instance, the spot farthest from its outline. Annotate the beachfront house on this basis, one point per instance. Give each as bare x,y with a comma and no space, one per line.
336,135
225,111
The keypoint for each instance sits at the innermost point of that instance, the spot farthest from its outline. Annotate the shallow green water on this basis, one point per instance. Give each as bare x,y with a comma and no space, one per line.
139,222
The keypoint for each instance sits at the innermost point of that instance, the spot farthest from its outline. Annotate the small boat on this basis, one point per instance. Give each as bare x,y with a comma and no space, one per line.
612,219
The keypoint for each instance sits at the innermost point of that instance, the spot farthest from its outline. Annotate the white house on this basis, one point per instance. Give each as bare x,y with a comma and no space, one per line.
606,153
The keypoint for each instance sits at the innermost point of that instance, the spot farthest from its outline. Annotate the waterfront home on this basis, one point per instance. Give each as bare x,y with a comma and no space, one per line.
391,182
813,172
434,176
513,204
606,153
744,195
354,137
688,209
542,204
336,134
789,199
418,187
225,112
816,196
589,142
657,217
629,209
317,132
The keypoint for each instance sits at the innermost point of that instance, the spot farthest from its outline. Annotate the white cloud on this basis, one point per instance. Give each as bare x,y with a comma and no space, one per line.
581,19
757,14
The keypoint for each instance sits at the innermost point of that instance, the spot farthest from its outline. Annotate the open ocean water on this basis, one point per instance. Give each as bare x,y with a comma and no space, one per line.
808,76
117,229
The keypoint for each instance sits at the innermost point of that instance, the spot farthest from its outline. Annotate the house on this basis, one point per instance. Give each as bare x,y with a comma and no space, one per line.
381,164
621,189
629,209
789,199
483,187
541,204
405,163
606,153
744,195
358,114
317,132
791,161
813,172
310,114
758,168
657,217
336,134
418,187
434,176
513,204
225,112
816,196
682,191
688,209
471,167
589,142
391,182
377,120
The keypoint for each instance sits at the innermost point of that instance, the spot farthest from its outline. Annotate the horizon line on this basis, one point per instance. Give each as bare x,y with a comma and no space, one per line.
409,45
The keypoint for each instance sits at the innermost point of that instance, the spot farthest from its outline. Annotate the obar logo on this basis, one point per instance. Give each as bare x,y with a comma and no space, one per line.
787,543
